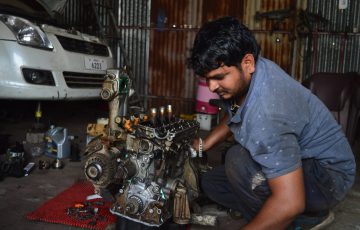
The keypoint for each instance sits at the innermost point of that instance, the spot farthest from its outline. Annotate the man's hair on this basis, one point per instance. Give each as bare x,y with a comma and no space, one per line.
222,41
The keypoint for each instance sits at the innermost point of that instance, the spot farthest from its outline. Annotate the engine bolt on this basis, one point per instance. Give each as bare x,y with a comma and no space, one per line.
155,189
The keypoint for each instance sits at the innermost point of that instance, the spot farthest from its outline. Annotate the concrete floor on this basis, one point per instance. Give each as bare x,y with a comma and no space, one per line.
19,196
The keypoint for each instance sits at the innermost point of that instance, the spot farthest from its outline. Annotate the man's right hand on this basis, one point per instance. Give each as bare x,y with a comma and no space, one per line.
195,144
217,135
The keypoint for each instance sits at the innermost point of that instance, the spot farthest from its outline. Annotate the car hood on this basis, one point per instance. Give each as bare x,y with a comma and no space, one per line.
53,7
43,13
29,9
71,34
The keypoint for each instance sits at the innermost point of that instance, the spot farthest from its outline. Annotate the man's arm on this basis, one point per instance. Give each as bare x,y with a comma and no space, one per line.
284,204
217,135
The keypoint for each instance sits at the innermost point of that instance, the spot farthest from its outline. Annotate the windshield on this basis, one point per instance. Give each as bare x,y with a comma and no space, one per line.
29,9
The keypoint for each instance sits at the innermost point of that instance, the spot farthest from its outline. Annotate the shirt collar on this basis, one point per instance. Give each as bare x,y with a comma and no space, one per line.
238,116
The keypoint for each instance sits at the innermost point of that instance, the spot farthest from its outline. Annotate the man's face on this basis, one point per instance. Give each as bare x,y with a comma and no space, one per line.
230,81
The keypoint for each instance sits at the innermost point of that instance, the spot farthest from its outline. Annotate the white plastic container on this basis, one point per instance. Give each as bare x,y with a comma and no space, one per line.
57,142
207,121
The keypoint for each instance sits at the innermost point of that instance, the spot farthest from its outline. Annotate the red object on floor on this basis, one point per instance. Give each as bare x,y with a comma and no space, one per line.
55,209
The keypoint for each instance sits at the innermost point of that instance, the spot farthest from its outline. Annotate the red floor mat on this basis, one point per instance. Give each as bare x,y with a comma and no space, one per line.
55,210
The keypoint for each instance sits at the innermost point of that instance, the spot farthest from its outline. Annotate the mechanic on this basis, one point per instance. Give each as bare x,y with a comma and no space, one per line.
291,162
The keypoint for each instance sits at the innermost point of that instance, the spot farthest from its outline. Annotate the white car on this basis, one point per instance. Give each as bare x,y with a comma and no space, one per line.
41,61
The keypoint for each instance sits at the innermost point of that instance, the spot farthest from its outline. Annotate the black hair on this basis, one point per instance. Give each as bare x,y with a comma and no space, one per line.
222,41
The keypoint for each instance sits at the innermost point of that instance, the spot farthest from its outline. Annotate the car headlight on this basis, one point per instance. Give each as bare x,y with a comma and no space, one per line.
26,32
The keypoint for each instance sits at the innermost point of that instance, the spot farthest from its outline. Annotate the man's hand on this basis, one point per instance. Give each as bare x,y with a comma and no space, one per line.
217,135
284,204
195,144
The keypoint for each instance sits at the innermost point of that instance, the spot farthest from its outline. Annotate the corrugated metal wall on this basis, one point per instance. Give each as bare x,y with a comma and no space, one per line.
178,22
134,23
173,28
79,15
278,38
157,35
124,24
335,48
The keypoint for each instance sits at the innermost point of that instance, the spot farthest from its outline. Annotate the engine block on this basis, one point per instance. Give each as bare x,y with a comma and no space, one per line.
142,163
146,168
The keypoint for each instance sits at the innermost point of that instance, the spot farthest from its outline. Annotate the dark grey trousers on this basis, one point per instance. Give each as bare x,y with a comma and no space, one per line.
241,185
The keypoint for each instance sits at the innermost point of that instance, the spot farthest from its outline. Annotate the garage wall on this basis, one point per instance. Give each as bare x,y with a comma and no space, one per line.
133,43
277,37
173,28
174,25
299,46
156,37
154,42
335,48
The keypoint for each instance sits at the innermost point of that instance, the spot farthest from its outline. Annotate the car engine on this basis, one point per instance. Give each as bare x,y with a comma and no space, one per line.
142,162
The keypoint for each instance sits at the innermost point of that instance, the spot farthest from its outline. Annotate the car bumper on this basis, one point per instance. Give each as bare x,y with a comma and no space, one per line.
14,57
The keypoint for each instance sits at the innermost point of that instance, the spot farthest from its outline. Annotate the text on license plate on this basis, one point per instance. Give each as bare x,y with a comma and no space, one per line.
95,63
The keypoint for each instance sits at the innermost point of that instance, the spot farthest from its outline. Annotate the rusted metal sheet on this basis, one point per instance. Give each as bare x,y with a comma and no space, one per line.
276,47
173,28
261,6
168,83
167,64
276,37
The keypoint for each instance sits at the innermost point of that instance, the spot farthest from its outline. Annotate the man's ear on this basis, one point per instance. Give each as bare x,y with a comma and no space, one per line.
248,63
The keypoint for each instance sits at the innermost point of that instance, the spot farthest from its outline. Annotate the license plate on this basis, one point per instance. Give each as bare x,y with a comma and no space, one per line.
95,63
